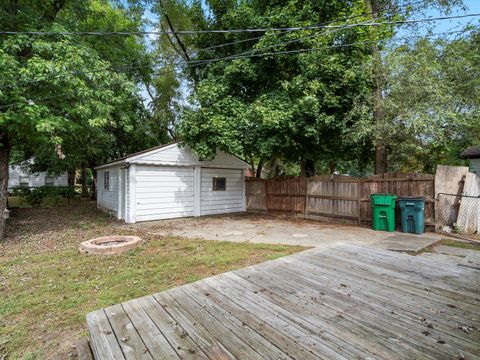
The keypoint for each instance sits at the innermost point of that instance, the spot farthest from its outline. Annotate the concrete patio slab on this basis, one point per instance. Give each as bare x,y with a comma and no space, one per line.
407,242
274,230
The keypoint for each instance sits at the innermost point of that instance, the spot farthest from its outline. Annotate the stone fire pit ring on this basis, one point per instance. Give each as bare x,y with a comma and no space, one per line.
110,245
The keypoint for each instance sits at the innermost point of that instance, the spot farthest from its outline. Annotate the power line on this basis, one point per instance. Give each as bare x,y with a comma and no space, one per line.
121,69
322,23
263,54
220,31
203,62
279,44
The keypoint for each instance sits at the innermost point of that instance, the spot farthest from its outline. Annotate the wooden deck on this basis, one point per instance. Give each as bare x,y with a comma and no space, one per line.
337,303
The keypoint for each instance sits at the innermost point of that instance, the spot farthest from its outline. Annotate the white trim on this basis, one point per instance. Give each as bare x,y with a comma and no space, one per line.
137,159
198,189
133,194
120,194
153,151
244,191
112,164
188,165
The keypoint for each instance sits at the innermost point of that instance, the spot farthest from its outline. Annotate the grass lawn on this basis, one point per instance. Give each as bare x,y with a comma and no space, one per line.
47,287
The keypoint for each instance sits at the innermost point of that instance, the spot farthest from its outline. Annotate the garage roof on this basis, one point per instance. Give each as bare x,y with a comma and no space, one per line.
182,156
472,152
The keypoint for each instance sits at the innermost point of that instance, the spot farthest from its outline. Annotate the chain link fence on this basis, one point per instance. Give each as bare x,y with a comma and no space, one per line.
458,214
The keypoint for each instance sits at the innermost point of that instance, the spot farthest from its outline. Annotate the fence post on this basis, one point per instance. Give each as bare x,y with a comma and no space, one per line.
306,199
359,201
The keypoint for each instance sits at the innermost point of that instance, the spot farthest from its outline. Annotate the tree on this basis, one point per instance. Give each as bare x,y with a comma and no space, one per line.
398,9
433,109
296,106
63,98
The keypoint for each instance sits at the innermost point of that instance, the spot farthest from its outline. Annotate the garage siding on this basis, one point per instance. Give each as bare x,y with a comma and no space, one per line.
108,199
164,192
219,202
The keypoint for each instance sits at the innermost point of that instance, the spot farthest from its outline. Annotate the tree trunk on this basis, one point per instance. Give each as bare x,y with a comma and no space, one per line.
307,168
273,166
94,184
84,182
378,110
331,167
71,177
258,173
4,161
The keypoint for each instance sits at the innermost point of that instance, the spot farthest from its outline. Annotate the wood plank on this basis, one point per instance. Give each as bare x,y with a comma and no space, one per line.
102,337
368,307
130,341
310,336
287,297
196,331
176,336
240,327
335,303
156,343
241,347
276,336
383,331
387,281
447,283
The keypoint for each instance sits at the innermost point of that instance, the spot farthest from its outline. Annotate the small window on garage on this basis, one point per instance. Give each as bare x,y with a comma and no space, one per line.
49,180
219,184
24,181
106,180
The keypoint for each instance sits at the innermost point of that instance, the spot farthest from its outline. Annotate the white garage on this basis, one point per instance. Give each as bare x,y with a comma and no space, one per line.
169,182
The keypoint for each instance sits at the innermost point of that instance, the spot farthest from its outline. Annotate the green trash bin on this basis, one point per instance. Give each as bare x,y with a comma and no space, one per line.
412,214
383,212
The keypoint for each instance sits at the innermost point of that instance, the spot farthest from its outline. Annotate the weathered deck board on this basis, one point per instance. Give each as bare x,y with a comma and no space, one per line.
345,302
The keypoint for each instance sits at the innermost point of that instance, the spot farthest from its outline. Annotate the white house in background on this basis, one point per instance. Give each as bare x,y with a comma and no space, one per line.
169,181
18,177
473,154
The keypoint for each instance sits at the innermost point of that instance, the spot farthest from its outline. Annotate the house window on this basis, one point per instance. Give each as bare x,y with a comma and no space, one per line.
49,180
219,184
106,180
24,181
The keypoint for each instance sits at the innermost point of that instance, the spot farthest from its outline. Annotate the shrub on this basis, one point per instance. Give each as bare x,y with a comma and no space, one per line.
46,196
22,191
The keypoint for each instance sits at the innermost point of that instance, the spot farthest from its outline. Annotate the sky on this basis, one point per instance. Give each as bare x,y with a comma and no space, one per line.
471,6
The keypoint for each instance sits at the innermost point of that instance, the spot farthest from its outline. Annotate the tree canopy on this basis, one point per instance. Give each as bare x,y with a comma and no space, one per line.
297,105
331,94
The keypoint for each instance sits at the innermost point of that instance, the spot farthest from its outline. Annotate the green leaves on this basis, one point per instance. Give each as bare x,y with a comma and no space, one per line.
431,113
77,94
293,106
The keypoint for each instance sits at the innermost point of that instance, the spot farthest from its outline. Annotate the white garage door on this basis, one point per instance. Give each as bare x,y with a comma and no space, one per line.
164,192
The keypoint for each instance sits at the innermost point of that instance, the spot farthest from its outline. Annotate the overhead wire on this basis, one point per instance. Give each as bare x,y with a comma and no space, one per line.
122,69
259,55
222,31
200,62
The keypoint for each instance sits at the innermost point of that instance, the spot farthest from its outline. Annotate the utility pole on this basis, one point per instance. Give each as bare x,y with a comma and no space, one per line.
378,110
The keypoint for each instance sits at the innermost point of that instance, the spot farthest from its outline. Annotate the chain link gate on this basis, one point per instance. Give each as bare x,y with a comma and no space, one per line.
458,214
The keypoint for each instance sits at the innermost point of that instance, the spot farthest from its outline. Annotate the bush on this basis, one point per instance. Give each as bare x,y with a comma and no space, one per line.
22,191
46,196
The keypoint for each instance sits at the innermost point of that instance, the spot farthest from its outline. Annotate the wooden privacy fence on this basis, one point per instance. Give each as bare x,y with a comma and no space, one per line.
343,198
